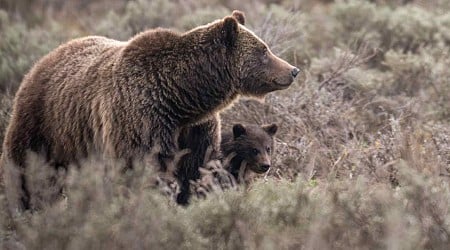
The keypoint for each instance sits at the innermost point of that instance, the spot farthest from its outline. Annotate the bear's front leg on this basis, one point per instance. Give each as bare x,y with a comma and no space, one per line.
167,151
198,139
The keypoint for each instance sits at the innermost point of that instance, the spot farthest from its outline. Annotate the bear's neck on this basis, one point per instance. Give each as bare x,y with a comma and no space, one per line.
211,86
194,81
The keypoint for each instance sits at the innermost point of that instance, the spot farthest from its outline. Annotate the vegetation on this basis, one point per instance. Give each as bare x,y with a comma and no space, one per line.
362,156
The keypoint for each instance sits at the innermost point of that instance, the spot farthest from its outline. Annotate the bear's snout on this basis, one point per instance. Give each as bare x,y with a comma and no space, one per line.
265,167
283,71
295,72
259,169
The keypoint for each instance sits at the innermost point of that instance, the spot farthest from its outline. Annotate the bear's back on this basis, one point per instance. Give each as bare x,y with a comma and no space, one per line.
58,97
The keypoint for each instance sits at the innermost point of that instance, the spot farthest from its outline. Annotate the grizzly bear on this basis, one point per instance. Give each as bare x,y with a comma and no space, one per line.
123,99
248,149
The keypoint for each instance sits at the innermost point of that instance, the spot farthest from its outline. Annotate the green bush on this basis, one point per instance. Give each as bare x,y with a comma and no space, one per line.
283,30
444,27
5,112
404,28
409,28
101,212
21,46
138,16
360,21
422,75
411,72
201,17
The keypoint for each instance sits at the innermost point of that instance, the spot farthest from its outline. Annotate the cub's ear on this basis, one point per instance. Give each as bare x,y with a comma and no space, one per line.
229,31
271,129
239,15
238,130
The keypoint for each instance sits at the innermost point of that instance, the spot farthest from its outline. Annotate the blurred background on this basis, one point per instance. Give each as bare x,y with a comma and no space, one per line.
373,102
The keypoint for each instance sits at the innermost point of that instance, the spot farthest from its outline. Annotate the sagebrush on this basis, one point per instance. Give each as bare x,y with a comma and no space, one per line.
362,155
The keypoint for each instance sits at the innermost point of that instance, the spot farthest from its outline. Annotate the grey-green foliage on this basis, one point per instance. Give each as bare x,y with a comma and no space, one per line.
283,30
6,100
359,20
411,72
411,27
361,163
103,212
201,16
406,28
104,209
138,16
444,27
21,46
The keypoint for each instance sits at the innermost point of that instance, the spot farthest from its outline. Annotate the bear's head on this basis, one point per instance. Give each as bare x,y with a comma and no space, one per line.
261,71
255,70
254,144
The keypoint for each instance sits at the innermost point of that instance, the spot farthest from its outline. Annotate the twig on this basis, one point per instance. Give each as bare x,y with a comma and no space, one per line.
348,61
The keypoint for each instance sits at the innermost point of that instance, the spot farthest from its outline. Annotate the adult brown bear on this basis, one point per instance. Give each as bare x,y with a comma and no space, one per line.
121,99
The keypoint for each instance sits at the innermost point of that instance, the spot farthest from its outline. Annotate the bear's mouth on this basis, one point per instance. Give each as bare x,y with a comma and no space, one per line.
258,170
283,84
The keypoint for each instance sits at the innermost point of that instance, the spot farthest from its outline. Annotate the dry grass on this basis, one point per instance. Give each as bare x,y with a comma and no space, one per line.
362,155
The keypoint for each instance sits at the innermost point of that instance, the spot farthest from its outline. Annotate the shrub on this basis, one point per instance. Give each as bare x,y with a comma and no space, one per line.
103,213
104,209
138,16
21,46
6,101
201,16
422,75
282,30
411,72
360,21
406,28
444,28
409,28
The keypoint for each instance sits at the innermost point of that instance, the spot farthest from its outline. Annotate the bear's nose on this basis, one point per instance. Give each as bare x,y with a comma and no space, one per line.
265,167
295,72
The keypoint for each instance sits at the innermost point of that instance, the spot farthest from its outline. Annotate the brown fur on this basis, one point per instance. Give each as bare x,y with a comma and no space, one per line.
119,99
248,149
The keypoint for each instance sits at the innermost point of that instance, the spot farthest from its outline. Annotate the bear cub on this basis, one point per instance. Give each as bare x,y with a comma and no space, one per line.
248,149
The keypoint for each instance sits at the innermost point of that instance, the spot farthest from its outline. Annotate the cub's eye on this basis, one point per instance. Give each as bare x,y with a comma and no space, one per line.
255,151
268,149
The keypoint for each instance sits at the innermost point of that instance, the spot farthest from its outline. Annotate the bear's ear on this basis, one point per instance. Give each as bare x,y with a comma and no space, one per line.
271,129
238,130
229,31
239,15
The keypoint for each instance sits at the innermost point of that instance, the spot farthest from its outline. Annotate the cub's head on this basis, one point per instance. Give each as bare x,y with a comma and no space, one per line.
256,70
254,144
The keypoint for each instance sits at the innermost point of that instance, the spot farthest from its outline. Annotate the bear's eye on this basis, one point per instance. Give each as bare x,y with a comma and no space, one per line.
255,151
268,149
265,57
